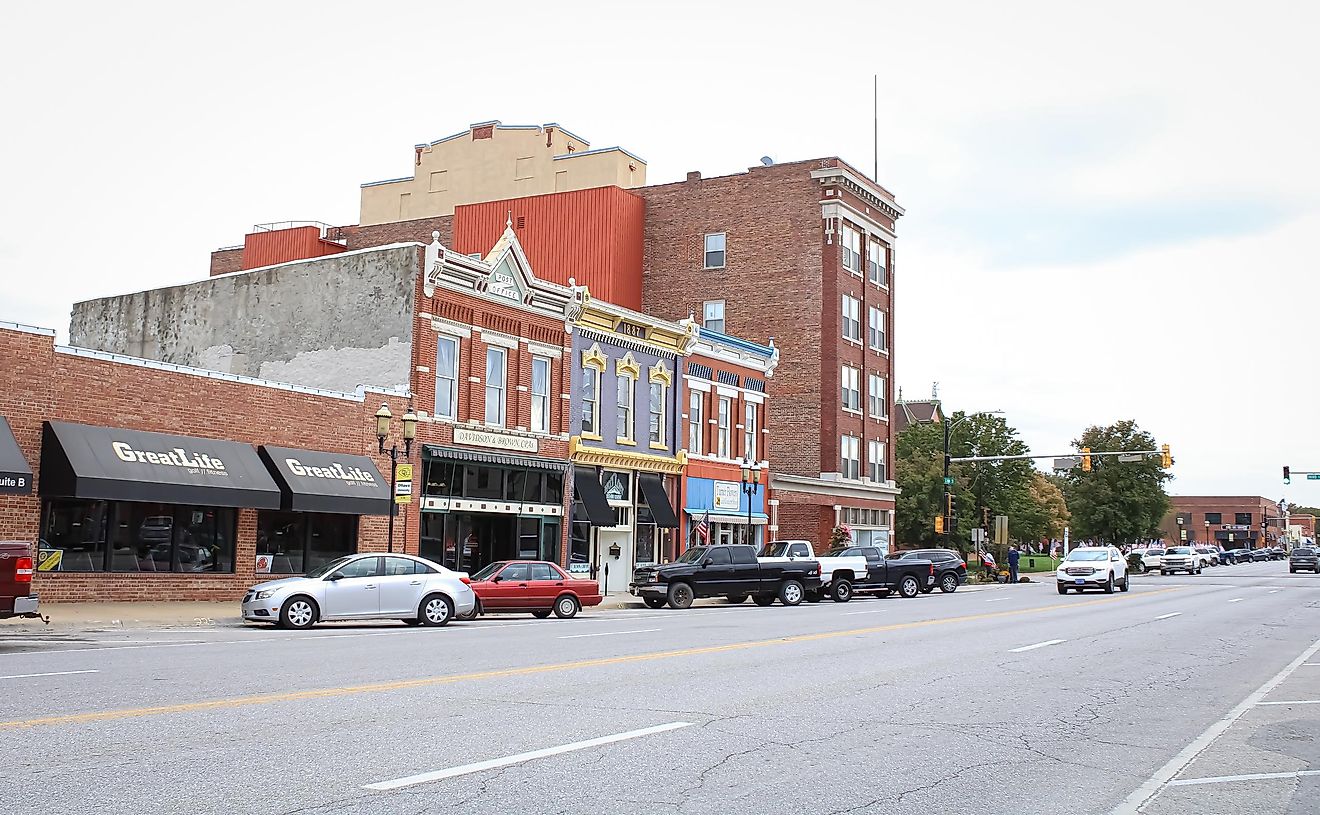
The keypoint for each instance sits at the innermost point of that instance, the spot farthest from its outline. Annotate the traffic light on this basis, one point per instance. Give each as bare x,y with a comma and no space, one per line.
939,524
1287,474
1086,459
1166,458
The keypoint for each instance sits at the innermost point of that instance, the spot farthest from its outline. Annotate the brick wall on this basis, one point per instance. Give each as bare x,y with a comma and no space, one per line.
364,237
224,261
38,384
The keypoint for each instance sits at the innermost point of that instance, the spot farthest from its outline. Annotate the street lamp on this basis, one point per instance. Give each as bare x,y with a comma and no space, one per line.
948,432
1182,533
751,481
383,417
1207,533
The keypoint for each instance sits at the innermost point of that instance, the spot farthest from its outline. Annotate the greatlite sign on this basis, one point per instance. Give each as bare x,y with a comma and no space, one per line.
319,481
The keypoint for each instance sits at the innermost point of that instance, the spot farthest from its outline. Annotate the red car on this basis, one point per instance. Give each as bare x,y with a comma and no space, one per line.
536,586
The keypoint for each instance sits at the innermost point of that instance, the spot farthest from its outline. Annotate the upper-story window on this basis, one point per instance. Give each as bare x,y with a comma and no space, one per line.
1242,518
875,331
875,461
696,409
714,250
446,377
657,417
852,318
877,269
724,426
851,241
624,406
850,465
593,367
750,447
1214,518
541,394
852,387
876,403
712,315
496,360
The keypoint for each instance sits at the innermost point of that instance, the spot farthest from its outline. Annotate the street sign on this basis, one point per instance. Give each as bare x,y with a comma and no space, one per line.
1131,457
948,480
1313,476
403,485
1001,530
1182,533
1067,462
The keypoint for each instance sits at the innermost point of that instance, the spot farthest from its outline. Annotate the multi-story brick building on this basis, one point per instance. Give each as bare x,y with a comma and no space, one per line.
803,254
1232,521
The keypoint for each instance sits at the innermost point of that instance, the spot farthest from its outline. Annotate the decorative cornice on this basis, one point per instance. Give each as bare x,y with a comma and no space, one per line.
625,460
628,365
840,489
593,358
858,186
623,326
660,373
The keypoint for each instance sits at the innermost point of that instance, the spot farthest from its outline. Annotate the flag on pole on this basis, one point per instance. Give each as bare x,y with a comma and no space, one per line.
703,528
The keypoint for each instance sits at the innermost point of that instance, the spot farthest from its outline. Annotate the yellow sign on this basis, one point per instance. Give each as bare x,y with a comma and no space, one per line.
48,560
403,472
403,483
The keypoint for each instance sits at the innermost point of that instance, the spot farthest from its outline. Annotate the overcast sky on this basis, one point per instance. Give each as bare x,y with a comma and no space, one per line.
1112,209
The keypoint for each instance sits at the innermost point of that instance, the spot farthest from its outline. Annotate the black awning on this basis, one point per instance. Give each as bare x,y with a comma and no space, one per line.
496,459
113,464
654,491
316,481
587,489
15,474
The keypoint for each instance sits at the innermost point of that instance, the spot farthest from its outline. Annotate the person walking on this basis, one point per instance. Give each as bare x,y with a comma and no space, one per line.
1013,556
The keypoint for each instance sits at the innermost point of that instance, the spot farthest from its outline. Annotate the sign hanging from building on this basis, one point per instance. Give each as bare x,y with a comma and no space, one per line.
726,495
403,484
495,440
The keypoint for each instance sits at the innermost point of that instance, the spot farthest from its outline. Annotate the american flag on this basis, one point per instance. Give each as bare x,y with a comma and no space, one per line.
703,528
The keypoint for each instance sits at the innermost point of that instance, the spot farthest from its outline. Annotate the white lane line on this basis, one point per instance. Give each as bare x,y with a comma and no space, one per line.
1236,600
1225,779
1132,804
1272,591
872,611
1294,702
996,600
607,634
494,763
52,673
1034,647
1170,614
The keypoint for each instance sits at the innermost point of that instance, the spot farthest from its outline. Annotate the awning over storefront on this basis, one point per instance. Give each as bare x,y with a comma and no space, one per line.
113,464
498,459
316,481
653,489
15,474
758,518
587,489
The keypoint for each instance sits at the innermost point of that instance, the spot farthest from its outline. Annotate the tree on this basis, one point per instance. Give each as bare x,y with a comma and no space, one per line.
1117,502
1047,514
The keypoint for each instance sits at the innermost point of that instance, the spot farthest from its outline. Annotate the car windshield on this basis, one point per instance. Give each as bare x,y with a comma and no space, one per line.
1088,554
322,571
776,549
1154,551
488,570
693,555
1179,550
1303,551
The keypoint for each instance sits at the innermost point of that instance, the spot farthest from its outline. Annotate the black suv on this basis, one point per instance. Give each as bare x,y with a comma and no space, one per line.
950,568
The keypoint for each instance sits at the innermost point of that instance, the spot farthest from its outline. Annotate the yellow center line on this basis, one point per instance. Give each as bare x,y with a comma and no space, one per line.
431,681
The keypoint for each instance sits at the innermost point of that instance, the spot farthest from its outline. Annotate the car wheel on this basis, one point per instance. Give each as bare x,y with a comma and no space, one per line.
436,610
1062,588
1166,574
1109,584
841,591
790,592
735,599
566,607
680,595
949,583
654,602
541,613
1127,578
909,587
763,599
298,613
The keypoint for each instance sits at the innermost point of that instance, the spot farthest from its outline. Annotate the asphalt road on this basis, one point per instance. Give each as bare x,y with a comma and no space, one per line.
1011,699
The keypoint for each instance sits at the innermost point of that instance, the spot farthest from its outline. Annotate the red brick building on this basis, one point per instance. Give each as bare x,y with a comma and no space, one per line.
1233,522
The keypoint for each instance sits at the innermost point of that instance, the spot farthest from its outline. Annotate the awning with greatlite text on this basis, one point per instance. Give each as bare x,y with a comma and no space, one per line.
317,481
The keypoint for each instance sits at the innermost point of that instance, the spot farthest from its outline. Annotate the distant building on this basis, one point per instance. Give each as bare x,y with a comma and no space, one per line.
908,412
1233,522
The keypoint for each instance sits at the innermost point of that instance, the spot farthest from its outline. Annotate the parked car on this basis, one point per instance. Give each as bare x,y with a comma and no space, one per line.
1258,555
838,573
1150,558
950,568
731,571
1278,553
1092,567
1238,555
1210,555
1303,557
534,586
1180,559
364,587
885,575
16,566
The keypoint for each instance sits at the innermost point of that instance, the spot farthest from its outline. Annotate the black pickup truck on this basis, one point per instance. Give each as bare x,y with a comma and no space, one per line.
732,572
907,576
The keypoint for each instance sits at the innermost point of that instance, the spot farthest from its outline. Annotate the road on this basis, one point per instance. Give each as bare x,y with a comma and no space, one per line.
1010,699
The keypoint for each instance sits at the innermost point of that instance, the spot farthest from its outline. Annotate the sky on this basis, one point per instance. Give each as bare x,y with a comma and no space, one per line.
1111,209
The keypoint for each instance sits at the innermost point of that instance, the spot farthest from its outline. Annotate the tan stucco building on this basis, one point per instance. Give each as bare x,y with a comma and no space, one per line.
490,162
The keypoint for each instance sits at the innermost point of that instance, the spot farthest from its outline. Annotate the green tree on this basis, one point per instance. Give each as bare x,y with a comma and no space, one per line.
1117,502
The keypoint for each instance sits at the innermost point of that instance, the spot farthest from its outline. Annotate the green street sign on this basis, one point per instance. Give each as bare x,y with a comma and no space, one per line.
948,479
1313,476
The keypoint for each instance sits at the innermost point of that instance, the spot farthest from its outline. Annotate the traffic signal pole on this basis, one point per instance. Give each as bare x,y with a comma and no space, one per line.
944,507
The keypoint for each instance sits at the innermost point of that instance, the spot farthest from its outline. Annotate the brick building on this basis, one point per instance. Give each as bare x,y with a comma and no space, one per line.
1233,522
803,254
162,482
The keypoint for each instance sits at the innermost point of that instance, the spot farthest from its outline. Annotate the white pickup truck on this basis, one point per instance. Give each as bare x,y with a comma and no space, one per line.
837,574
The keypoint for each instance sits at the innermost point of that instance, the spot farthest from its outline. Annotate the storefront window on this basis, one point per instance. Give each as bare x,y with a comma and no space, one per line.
169,538
77,529
579,546
441,476
550,541
299,542
483,482
529,538
329,537
646,536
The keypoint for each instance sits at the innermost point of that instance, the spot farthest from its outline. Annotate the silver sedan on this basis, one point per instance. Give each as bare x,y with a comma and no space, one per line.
363,587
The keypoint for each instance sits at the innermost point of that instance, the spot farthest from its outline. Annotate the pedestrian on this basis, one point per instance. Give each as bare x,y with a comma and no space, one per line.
1013,556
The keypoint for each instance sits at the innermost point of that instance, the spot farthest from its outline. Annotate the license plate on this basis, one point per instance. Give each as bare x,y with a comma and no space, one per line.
930,580
1079,581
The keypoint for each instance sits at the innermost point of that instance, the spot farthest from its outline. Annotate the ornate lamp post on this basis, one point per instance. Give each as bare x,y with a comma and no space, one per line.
383,417
751,481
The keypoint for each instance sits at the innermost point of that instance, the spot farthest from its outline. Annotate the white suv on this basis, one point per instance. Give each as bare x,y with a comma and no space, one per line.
1093,567
1182,559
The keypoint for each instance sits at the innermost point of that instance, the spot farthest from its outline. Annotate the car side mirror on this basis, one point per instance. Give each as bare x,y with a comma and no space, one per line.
496,579
335,576
706,562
